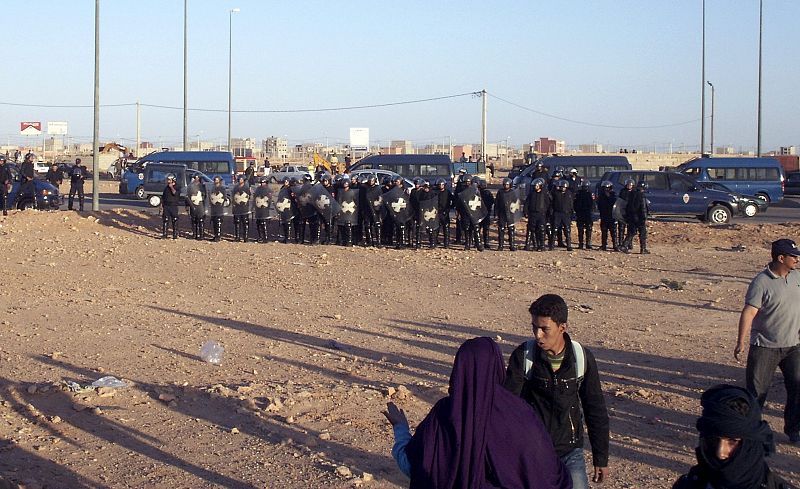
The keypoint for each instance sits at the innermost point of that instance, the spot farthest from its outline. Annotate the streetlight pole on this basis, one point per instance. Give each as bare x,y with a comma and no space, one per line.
230,70
185,76
96,129
712,117
703,86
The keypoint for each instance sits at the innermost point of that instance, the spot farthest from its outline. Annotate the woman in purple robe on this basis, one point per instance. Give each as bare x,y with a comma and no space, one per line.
480,435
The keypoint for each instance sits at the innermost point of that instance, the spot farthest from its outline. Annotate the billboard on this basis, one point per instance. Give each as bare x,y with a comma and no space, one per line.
359,138
30,128
57,128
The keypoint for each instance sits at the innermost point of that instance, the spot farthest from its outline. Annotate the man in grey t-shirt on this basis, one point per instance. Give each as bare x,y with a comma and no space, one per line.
771,319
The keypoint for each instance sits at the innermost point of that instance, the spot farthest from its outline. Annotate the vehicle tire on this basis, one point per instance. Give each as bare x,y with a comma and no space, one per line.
140,193
763,197
750,209
719,214
154,200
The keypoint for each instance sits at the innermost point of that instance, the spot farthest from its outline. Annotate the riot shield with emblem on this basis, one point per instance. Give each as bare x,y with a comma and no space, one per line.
196,197
397,206
261,201
285,205
429,212
618,211
471,203
325,205
218,202
511,208
372,203
241,200
305,200
348,200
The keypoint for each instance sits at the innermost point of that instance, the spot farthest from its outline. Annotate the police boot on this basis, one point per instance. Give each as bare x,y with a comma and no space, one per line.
236,229
378,238
604,237
69,205
511,235
400,233
477,239
174,228
447,236
200,229
528,233
568,237
588,237
217,228
348,235
550,240
285,227
368,235
458,232
501,239
164,222
417,238
80,204
560,236
580,237
643,242
613,232
431,239
467,240
540,231
245,229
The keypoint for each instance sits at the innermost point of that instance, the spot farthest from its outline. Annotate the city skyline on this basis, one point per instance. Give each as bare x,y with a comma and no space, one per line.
588,66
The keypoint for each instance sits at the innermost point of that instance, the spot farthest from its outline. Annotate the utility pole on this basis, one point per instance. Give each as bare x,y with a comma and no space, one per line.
138,128
703,87
712,118
185,76
96,130
483,127
758,124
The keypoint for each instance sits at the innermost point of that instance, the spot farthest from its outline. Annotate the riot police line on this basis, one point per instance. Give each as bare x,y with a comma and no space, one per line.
346,211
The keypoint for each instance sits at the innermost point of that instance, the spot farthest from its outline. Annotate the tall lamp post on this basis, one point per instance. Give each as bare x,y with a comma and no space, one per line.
712,117
703,85
96,129
230,70
185,71
758,123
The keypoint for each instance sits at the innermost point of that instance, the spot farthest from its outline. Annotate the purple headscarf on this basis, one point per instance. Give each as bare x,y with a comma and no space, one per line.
482,435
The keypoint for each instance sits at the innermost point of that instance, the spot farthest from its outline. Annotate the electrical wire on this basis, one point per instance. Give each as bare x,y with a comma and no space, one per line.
610,126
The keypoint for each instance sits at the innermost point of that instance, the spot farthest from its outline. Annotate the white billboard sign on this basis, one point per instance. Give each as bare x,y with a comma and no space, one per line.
359,139
57,128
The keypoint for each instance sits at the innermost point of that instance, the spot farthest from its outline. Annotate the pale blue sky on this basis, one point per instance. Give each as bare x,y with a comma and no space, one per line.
607,62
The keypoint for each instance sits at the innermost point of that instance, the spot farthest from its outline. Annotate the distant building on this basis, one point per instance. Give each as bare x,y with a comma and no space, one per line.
549,146
725,150
275,147
243,147
467,149
788,150
590,148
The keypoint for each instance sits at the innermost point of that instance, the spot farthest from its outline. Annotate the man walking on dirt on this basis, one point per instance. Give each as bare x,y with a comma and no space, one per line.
771,319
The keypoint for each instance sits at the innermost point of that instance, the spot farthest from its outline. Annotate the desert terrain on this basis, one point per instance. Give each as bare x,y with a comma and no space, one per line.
318,339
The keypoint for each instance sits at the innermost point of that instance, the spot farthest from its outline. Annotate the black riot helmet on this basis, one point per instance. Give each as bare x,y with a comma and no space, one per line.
538,183
345,183
354,179
562,185
558,174
417,181
387,180
642,186
293,181
286,181
507,183
325,179
398,181
440,182
629,183
372,180
607,185
481,183
584,184
307,177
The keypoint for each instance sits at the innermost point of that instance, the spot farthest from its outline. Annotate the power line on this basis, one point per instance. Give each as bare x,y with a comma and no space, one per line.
254,111
610,126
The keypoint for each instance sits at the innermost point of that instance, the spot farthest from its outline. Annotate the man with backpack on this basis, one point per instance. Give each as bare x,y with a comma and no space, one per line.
558,377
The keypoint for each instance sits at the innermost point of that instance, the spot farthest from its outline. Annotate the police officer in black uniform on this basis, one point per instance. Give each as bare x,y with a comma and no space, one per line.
537,210
371,206
562,213
5,184
54,176
77,175
504,225
605,206
636,215
261,198
170,199
196,201
624,194
241,210
584,205
217,199
489,202
444,204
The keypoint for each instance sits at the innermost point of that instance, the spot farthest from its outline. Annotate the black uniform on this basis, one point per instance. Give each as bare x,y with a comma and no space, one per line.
5,182
26,169
605,205
77,176
170,199
537,209
241,198
636,215
444,204
622,228
217,198
562,217
55,177
371,206
197,201
490,203
584,205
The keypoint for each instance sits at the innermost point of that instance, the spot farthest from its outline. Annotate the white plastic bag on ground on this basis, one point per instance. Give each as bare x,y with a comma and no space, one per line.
211,352
109,381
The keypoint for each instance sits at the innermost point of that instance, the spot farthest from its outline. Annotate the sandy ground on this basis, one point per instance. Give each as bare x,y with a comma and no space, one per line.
318,339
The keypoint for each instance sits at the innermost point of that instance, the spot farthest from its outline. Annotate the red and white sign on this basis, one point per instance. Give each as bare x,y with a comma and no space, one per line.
30,128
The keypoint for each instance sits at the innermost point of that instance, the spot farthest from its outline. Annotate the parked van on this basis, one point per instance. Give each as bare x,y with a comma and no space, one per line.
429,167
762,177
591,168
211,163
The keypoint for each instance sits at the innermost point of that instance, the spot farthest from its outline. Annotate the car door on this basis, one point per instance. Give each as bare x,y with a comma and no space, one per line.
686,197
155,179
657,192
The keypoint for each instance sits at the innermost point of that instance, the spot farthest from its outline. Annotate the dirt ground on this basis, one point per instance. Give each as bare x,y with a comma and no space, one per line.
318,339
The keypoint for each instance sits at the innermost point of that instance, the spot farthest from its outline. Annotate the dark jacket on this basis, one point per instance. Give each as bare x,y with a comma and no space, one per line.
697,479
605,205
584,204
537,203
562,202
55,177
559,400
76,175
445,202
168,199
488,200
5,174
636,210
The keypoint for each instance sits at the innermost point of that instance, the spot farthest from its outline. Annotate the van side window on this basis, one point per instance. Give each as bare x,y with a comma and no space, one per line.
656,181
679,184
155,175
693,172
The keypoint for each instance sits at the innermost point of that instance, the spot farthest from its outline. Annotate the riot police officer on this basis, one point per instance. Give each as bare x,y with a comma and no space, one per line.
537,209
5,184
241,210
348,200
584,205
218,198
286,207
636,215
624,194
170,199
54,176
197,201
505,196
562,206
261,199
443,206
371,205
605,205
77,175
489,202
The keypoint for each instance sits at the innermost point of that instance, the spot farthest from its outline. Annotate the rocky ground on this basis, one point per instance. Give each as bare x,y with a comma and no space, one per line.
318,339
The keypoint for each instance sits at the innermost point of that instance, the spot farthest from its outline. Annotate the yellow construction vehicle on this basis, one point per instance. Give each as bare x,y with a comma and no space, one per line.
332,168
